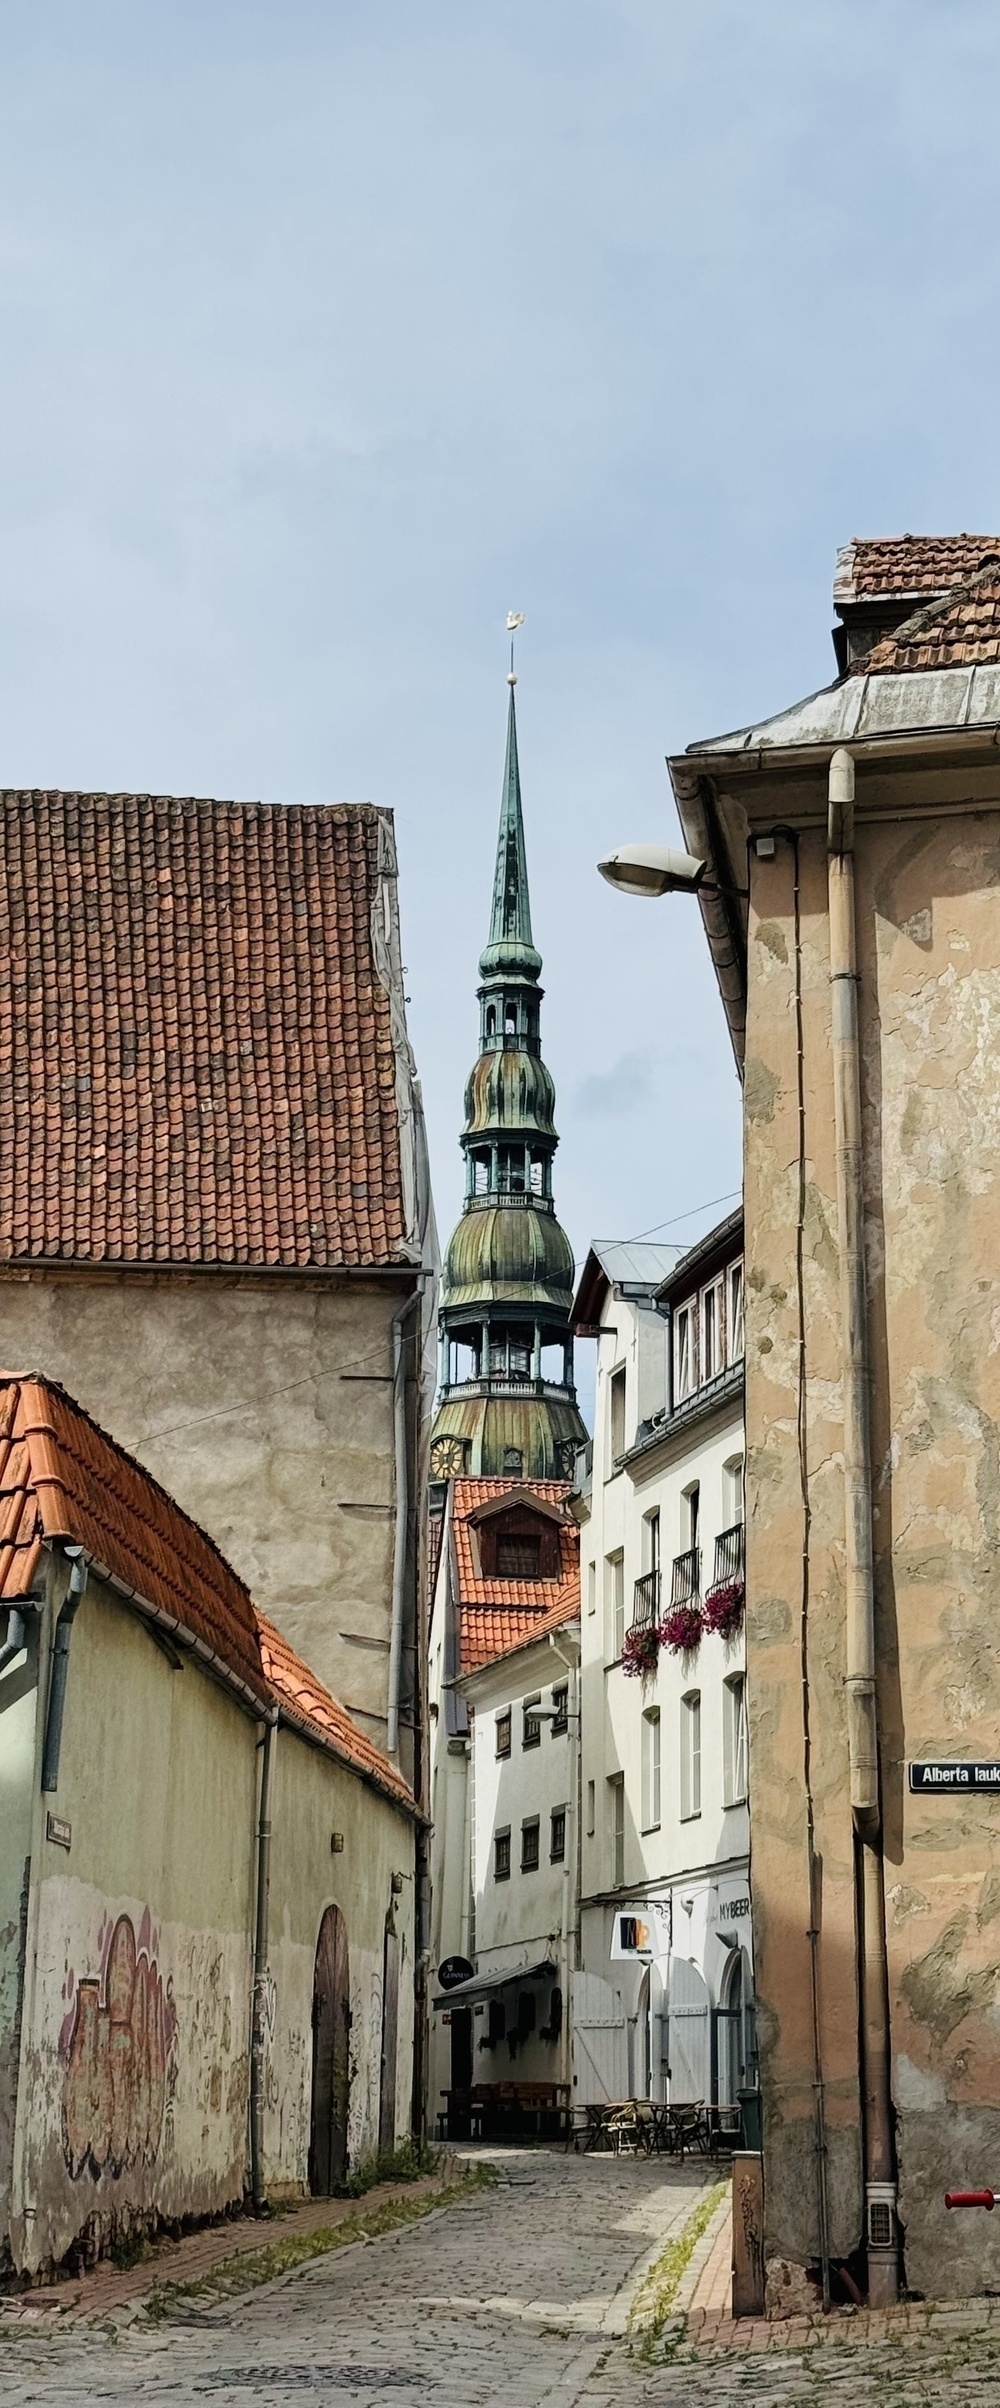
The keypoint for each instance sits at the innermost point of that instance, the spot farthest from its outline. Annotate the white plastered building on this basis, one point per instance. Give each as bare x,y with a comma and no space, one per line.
664,1808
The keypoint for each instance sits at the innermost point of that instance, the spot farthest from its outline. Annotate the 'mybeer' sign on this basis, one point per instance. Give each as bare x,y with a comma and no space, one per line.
942,1774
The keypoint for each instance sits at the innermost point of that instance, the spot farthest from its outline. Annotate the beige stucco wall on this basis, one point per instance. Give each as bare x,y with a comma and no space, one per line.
265,1407
928,916
312,1797
132,2097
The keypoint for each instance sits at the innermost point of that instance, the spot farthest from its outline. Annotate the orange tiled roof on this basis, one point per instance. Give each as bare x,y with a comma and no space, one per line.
495,1615
566,1609
874,568
957,631
196,1053
293,1685
62,1477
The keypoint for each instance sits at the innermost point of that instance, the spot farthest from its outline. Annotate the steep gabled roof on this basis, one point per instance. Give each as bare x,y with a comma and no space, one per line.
498,1613
559,1616
297,1691
200,1033
62,1477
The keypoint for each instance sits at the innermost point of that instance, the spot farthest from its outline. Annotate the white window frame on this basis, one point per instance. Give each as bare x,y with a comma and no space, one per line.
690,1755
735,1772
651,1769
617,1389
685,1332
735,1337
616,1828
592,1588
711,1305
614,1594
732,1473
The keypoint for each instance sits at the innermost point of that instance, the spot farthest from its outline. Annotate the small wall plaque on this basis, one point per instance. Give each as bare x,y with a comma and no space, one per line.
336,1843
58,1831
942,1773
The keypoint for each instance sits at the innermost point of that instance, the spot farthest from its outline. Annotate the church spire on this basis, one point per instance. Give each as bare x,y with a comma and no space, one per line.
506,1400
510,948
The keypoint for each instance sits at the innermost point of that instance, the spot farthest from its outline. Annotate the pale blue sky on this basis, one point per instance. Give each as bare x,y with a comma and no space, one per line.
331,333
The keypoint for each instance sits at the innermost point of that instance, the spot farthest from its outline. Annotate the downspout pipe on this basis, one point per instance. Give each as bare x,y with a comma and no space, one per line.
59,1674
881,2225
17,1625
257,2034
401,1534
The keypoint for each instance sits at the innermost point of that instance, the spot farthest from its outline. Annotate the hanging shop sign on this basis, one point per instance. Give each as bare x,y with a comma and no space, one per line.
641,1931
943,1773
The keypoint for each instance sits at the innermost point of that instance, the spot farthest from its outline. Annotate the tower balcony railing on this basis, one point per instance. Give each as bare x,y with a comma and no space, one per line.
729,1555
508,1195
646,1600
508,1383
685,1586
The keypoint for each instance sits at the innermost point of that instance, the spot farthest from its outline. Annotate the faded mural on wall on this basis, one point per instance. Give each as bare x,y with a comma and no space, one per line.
118,2044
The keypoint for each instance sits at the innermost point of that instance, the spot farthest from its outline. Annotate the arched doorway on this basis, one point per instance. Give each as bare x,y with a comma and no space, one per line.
690,2042
331,2056
737,2052
390,2033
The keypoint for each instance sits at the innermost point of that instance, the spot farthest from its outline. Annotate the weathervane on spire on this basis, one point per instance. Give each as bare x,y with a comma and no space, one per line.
515,619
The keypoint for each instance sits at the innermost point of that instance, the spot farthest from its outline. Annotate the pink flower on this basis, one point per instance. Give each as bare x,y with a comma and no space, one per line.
682,1628
723,1609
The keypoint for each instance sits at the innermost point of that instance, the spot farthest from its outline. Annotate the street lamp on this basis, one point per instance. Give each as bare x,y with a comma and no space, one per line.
653,869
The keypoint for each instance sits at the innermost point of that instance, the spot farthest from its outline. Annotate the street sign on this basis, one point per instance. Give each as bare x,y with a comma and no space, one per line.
946,1773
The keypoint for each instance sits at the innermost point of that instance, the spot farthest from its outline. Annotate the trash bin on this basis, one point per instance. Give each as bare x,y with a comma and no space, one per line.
753,2134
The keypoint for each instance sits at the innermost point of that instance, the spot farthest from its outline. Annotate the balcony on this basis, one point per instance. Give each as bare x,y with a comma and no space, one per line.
729,1555
685,1587
646,1600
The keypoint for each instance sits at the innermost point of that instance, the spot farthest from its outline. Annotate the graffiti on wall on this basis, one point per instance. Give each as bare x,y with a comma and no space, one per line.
118,2045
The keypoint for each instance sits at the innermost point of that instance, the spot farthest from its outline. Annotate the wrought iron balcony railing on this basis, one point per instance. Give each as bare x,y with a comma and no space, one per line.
729,1553
686,1583
646,1600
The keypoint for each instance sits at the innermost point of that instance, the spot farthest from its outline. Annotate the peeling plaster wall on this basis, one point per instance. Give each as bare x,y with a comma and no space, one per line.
929,952
311,1798
132,2098
266,1410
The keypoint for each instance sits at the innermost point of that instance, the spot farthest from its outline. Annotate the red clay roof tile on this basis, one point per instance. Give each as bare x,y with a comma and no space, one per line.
293,1685
957,631
495,1615
876,568
197,1060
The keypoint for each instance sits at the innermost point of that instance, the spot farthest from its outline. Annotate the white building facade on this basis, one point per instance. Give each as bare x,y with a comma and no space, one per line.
664,1805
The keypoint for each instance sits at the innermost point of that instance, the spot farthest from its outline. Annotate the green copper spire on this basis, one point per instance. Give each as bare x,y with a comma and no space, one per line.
510,947
506,1399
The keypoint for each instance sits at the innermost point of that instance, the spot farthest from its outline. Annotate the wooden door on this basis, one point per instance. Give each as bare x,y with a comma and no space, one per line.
390,2034
331,2066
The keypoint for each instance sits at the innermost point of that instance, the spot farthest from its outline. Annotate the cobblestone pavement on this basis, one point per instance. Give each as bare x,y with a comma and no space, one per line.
512,2298
518,2297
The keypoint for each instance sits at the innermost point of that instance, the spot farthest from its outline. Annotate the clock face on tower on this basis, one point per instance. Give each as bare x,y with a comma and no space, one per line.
447,1458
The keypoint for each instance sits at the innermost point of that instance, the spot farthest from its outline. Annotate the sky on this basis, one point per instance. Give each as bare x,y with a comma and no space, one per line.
329,334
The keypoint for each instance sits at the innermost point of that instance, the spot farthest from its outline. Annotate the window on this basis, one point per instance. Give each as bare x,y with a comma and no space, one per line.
591,1808
691,1756
651,1541
616,1417
501,1856
496,2029
510,1162
651,1769
691,1502
531,1729
684,1379
503,1732
711,1330
734,1313
614,1597
616,1820
591,1588
732,1491
560,1712
557,1837
529,1845
538,1175
513,1460
518,1557
734,1740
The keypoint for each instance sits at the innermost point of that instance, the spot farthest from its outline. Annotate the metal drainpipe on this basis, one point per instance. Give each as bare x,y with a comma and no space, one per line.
257,2189
56,1706
399,1319
17,1613
881,2226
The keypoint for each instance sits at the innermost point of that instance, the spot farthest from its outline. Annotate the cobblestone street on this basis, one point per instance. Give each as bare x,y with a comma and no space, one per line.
518,2296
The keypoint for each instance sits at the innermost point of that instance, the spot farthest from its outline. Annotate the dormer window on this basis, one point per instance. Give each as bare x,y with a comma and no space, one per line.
519,1557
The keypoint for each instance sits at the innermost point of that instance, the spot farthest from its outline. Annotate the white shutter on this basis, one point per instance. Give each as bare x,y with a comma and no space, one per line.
600,2045
689,2044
